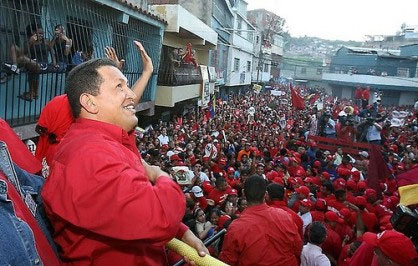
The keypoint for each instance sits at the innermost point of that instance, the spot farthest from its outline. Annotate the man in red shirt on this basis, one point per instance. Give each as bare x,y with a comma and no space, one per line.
220,192
262,235
275,198
105,203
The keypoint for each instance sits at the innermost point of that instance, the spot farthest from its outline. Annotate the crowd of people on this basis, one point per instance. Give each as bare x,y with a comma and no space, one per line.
247,164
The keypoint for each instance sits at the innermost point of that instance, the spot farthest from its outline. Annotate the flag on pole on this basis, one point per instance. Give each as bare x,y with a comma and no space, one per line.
378,169
297,101
408,187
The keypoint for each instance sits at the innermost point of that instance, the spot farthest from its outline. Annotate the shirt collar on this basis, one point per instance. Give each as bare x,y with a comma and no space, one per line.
255,208
313,246
114,132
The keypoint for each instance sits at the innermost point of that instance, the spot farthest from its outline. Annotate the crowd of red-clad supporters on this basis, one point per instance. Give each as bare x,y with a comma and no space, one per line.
249,164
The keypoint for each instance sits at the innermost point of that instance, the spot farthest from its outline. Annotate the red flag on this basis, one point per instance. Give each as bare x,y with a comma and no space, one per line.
314,98
378,169
297,101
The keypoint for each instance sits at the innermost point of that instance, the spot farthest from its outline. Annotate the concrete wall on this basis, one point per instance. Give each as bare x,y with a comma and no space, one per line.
202,9
408,98
346,93
169,95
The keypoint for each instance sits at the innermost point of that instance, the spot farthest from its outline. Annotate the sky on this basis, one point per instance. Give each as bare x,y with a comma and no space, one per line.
342,19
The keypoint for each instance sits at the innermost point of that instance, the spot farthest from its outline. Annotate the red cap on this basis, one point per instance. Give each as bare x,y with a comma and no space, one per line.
333,217
306,203
206,159
344,172
355,176
326,175
361,201
272,175
180,163
339,184
175,157
321,205
368,193
222,161
308,180
346,213
304,190
352,185
317,164
222,220
233,192
299,181
230,170
361,185
395,245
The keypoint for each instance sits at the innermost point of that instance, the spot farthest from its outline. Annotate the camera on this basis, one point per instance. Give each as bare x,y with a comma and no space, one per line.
405,220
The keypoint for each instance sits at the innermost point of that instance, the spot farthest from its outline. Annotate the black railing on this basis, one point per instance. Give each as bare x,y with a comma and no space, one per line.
34,58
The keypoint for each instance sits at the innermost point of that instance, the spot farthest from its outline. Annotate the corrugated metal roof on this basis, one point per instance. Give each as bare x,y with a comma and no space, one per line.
380,52
139,9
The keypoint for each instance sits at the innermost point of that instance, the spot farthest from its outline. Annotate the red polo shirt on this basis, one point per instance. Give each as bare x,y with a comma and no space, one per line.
101,204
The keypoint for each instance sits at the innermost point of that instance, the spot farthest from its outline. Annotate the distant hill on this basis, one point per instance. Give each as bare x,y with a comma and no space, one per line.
313,47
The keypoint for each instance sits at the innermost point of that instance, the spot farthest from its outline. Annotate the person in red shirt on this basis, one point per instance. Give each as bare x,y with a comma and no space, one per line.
332,245
262,235
220,192
275,198
105,203
318,213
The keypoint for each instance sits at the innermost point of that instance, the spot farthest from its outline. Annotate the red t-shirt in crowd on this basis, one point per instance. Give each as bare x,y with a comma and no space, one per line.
296,218
219,196
262,235
332,244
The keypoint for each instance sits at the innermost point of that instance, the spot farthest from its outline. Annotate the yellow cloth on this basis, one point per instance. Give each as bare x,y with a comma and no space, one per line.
190,253
408,194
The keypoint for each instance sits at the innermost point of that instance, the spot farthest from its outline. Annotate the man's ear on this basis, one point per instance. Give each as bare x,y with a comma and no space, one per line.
87,103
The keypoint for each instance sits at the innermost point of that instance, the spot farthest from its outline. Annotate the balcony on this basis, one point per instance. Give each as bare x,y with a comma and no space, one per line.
91,27
277,50
183,24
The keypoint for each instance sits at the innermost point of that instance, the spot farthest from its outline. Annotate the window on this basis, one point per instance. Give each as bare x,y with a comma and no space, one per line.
319,71
303,70
248,66
239,25
403,72
250,36
266,68
257,39
236,64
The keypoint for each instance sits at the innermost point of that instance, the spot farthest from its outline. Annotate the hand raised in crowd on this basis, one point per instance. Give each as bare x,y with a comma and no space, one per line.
111,54
146,60
153,172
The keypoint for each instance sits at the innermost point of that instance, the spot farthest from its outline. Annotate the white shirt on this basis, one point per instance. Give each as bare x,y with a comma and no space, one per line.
204,177
312,256
307,219
163,139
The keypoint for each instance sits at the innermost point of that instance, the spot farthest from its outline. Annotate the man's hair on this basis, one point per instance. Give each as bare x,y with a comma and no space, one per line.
255,189
317,233
219,181
275,191
84,78
339,193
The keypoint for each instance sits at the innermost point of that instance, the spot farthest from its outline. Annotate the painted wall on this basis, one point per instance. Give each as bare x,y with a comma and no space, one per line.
234,78
408,98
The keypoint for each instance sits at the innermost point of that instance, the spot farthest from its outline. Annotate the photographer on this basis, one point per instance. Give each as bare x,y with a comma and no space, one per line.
371,130
347,131
327,126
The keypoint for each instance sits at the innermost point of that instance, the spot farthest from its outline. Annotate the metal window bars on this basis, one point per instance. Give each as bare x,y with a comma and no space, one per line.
28,69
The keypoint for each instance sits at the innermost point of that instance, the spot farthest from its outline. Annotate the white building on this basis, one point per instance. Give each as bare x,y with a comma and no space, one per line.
241,50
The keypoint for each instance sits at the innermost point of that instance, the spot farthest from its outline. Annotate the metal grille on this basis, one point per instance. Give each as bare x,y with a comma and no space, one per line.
91,27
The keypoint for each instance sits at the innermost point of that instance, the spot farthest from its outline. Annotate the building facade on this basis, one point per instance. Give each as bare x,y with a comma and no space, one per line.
268,45
183,77
91,25
392,73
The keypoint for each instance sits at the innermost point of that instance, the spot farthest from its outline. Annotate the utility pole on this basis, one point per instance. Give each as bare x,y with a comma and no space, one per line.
260,54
